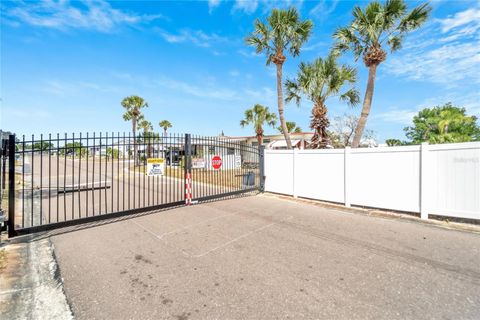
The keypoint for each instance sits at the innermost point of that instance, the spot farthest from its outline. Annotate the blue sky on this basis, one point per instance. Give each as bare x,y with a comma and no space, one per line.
66,65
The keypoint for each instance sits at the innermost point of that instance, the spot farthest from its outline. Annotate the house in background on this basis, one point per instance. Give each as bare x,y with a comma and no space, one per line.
277,141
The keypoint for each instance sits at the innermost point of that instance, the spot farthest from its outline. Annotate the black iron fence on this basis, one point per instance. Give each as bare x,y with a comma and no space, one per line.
61,180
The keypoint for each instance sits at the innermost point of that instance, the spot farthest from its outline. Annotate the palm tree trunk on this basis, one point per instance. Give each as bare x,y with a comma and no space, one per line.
319,123
367,105
134,130
280,106
259,140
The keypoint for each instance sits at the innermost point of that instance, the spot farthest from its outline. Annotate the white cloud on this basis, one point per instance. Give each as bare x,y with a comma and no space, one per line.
451,58
212,4
396,115
315,46
247,6
268,5
248,53
211,92
234,73
63,14
404,116
470,17
448,64
66,87
197,37
323,9
264,94
24,113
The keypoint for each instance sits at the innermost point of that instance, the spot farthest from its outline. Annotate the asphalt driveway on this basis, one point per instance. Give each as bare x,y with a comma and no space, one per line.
261,257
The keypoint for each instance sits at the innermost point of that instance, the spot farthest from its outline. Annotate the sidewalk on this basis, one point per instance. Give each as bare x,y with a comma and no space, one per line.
30,287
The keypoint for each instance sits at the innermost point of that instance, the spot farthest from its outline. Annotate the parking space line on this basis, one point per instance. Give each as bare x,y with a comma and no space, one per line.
241,237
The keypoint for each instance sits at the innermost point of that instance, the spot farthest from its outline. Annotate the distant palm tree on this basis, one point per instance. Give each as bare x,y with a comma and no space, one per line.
147,127
291,127
284,31
370,29
165,124
318,81
133,105
259,116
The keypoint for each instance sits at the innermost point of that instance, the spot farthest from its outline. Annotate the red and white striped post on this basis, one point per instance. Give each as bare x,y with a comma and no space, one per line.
188,189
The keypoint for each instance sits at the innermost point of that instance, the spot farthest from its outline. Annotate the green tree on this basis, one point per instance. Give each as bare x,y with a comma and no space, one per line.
283,31
112,153
376,26
443,124
394,142
42,146
318,81
147,127
133,106
291,127
259,116
165,125
73,148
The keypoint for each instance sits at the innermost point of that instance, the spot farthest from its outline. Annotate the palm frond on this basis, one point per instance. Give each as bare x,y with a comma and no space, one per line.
292,92
258,116
352,97
415,18
395,42
283,30
393,10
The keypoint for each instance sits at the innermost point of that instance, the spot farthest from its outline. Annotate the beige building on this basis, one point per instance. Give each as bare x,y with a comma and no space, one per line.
277,141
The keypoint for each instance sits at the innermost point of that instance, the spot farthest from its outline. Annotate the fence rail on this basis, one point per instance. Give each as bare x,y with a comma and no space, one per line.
426,179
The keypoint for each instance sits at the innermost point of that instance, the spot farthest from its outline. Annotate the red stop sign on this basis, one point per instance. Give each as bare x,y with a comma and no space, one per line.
216,162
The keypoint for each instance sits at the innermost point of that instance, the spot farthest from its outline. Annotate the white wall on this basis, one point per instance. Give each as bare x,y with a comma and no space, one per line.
385,178
427,179
279,171
455,179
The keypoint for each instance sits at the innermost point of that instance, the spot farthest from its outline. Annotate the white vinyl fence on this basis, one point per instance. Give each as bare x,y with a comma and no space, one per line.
426,179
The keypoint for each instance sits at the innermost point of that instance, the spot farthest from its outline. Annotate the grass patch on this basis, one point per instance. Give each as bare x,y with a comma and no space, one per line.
225,178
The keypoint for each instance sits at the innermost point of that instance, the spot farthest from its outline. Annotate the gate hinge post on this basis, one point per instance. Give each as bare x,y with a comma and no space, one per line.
11,186
261,155
187,164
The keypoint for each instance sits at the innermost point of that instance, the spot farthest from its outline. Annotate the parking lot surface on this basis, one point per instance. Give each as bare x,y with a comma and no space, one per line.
261,257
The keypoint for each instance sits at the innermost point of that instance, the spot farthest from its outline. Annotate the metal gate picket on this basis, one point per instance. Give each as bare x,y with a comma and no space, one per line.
66,180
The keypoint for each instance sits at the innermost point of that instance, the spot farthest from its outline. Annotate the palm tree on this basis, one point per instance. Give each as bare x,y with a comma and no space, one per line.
258,116
380,24
291,127
165,124
133,105
283,31
146,126
318,81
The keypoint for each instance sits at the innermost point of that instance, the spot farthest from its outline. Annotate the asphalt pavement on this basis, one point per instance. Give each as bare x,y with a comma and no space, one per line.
261,257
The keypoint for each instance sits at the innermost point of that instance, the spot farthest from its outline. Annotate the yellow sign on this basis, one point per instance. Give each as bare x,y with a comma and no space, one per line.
155,167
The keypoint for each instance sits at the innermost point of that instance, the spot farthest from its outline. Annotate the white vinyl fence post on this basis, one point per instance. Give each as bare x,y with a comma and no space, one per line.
425,180
345,176
294,155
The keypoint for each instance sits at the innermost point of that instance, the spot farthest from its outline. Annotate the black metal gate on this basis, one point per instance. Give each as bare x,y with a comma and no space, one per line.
58,181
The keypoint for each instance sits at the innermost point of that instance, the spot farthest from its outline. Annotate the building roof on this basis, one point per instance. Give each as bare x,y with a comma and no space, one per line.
270,136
